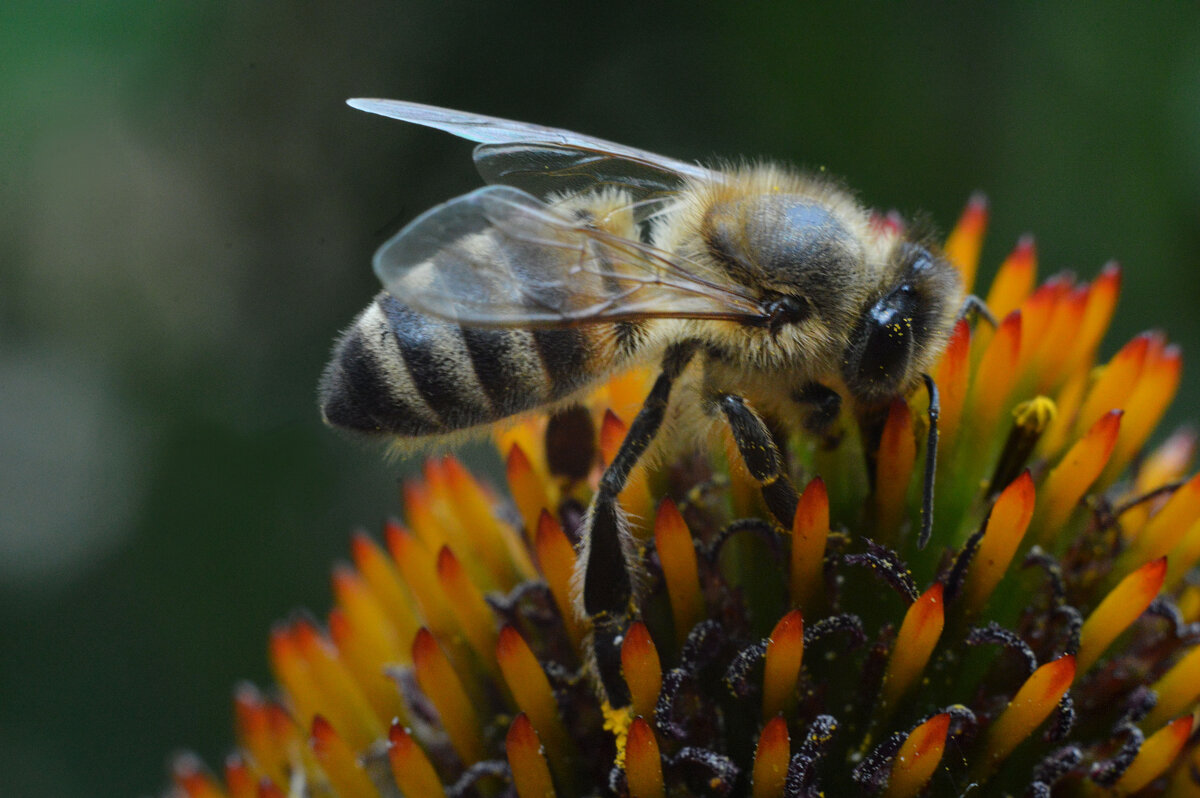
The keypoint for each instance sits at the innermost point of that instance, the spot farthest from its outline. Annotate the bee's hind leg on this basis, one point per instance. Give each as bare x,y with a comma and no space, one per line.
607,554
761,455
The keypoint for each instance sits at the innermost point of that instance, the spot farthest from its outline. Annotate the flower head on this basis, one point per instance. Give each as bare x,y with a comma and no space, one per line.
1045,641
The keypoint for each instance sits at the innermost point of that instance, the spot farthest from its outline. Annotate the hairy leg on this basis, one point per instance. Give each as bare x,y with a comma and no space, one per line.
762,457
607,583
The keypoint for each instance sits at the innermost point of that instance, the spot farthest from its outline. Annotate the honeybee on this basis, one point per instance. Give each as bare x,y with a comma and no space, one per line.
762,292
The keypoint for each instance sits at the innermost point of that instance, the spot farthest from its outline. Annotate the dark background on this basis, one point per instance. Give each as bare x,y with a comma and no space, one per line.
187,215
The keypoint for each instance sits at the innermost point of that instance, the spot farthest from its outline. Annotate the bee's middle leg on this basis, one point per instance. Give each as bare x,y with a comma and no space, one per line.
607,583
762,457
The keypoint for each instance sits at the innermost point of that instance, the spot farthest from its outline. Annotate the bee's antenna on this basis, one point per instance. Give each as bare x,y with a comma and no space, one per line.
931,445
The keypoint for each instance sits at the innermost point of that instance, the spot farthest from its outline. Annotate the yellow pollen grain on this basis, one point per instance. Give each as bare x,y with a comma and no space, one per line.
616,721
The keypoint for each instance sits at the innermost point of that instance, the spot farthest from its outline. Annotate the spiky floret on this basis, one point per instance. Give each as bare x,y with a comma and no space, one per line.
1045,642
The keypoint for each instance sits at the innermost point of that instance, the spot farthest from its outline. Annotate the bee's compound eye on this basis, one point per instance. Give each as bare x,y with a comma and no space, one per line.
883,345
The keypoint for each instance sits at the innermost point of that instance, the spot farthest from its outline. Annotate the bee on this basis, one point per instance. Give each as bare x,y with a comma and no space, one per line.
765,297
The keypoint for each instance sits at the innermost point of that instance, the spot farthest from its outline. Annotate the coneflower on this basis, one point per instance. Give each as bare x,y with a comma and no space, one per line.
1043,643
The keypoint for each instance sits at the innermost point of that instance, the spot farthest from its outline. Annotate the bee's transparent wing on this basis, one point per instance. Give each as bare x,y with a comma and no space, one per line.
545,160
501,257
547,169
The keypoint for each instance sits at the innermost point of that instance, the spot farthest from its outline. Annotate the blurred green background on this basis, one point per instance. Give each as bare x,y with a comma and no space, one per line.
187,216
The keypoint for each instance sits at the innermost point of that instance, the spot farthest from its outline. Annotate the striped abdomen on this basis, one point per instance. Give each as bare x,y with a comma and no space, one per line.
400,372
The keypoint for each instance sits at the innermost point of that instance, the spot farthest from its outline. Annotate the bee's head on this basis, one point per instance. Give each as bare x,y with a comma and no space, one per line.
901,332
782,240
799,251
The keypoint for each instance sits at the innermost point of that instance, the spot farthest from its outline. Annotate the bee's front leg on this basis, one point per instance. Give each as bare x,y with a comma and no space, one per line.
761,455
607,557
